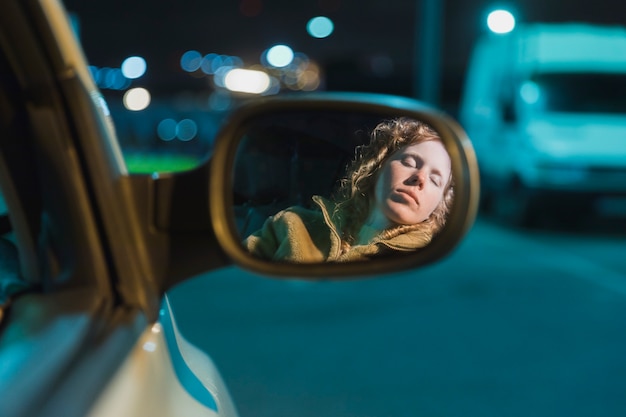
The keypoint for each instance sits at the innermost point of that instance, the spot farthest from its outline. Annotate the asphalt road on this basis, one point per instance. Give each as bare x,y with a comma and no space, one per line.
513,323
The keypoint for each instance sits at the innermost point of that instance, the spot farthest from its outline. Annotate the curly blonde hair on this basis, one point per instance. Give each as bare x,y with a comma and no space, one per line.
356,190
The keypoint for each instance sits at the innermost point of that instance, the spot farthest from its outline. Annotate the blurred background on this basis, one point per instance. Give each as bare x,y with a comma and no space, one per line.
184,49
525,317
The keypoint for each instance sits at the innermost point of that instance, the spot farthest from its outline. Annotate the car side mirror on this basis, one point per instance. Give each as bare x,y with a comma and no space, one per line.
280,183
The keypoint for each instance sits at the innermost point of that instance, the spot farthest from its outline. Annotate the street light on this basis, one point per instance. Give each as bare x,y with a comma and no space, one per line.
501,21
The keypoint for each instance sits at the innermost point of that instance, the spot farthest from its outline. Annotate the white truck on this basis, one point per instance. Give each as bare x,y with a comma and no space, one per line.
545,107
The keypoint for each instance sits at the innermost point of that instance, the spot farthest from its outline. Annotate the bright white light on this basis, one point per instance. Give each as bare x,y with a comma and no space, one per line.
500,21
137,99
247,81
279,56
320,27
149,346
134,67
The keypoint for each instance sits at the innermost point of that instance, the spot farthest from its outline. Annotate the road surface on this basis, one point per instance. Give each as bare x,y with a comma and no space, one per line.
513,323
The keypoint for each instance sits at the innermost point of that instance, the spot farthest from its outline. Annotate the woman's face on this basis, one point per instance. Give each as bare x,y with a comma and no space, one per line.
410,184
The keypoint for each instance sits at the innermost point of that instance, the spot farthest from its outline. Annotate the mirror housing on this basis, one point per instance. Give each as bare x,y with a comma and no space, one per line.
464,171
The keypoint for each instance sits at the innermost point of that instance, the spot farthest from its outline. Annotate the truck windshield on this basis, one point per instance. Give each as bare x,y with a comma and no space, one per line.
576,92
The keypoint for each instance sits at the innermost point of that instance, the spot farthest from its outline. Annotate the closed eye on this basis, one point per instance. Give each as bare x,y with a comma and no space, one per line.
409,162
413,161
436,179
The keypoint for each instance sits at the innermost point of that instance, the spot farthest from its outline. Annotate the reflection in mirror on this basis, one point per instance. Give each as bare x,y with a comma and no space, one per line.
320,186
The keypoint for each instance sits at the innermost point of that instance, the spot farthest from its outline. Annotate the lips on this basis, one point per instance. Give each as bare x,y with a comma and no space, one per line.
409,194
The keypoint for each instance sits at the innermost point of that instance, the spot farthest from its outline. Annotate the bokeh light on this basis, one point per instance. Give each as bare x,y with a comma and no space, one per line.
186,130
279,56
501,21
137,99
166,129
191,61
220,75
320,27
134,67
309,80
530,92
274,87
211,63
109,78
246,81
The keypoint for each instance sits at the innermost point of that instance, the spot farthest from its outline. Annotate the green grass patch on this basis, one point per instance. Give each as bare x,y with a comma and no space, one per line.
146,163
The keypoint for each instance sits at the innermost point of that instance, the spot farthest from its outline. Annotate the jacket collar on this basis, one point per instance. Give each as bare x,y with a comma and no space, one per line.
403,242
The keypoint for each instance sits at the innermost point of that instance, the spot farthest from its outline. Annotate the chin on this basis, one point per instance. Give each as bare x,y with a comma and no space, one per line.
400,214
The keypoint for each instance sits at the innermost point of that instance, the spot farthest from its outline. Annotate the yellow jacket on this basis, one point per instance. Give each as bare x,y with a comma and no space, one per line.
302,235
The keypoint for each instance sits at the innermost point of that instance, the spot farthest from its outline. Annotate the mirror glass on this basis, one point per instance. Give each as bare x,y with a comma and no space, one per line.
339,186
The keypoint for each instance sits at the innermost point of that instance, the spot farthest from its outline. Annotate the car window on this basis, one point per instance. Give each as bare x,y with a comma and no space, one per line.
576,92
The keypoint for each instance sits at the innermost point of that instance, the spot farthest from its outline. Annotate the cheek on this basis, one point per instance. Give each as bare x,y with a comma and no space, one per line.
381,186
435,199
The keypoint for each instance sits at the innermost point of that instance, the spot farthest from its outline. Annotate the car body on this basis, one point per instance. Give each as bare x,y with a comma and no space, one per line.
66,326
543,105
89,250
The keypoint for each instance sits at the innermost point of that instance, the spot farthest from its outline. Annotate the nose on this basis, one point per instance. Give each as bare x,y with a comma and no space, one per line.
417,179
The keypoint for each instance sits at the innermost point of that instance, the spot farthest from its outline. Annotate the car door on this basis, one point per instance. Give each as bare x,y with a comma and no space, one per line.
80,276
